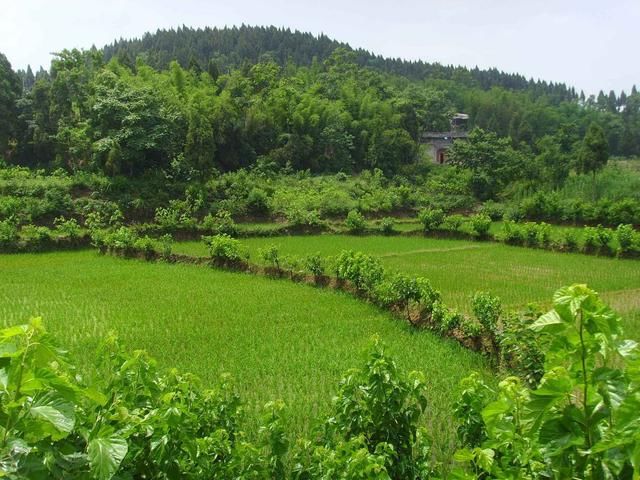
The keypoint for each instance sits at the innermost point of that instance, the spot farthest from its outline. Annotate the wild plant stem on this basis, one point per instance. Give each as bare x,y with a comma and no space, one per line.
585,388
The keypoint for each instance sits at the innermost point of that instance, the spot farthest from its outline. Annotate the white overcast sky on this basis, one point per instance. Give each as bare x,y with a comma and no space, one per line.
588,44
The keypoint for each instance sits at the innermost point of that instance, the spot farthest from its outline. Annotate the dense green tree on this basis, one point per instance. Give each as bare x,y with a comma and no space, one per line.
234,45
594,151
134,131
491,159
391,149
28,78
291,100
10,89
553,164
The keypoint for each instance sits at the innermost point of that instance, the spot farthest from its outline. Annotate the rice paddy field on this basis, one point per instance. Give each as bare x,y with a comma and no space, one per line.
278,339
282,340
458,268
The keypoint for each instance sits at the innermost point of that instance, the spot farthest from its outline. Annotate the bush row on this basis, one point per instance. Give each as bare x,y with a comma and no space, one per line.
127,242
435,220
624,241
300,199
413,298
549,206
31,238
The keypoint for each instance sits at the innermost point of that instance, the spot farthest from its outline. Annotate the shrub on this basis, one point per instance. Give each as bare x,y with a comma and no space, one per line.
294,264
625,236
399,291
355,222
512,233
480,225
487,309
493,210
221,223
387,225
470,328
315,264
604,235
166,245
628,239
429,297
176,215
298,217
224,249
145,245
133,421
270,255
33,236
258,201
431,218
167,217
438,312
544,235
121,239
513,214
520,348
531,234
364,271
443,319
475,396
569,241
451,320
8,233
383,406
67,228
590,239
596,239
453,223
101,214
344,459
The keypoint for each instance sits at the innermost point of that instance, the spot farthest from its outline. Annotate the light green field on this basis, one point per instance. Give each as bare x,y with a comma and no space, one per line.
278,339
459,268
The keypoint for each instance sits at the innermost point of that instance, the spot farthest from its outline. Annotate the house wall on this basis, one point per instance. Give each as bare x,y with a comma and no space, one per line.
434,149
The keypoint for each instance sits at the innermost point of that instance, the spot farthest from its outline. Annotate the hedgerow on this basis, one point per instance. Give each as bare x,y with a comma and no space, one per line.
551,206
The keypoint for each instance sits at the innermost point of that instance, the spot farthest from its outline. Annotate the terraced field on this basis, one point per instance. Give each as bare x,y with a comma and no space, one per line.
276,338
459,267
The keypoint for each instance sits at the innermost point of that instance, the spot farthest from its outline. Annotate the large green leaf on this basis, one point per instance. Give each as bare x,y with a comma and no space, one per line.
548,320
11,332
55,410
106,455
494,409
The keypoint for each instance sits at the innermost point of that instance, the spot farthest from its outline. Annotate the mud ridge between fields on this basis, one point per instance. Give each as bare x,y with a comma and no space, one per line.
435,250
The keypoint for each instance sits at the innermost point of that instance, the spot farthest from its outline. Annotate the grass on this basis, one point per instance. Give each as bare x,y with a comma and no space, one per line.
459,268
276,338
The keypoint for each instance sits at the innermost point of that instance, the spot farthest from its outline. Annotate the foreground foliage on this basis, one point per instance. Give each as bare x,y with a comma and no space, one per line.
580,422
135,421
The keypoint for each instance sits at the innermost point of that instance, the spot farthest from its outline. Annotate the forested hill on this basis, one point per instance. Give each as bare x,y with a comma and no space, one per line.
232,47
192,102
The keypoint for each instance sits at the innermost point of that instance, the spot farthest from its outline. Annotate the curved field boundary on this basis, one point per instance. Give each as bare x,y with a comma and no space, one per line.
435,250
478,343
